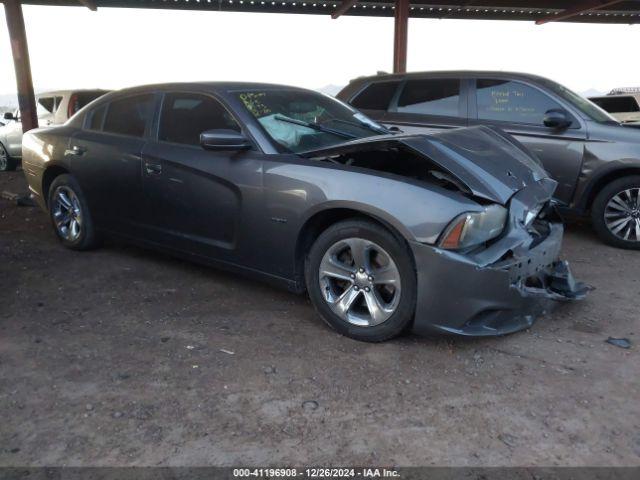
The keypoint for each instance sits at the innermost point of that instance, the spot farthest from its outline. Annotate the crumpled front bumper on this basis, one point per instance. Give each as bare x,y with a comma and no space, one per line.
458,295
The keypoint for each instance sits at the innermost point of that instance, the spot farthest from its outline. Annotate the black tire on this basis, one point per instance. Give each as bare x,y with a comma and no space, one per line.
395,248
598,209
7,163
87,237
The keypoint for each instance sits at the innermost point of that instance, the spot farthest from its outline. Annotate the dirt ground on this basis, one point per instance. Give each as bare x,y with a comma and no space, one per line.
126,357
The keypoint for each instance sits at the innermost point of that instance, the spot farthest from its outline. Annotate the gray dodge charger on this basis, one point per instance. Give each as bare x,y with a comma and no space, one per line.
451,232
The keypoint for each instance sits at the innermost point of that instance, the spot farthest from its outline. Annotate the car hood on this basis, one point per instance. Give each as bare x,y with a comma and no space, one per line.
490,163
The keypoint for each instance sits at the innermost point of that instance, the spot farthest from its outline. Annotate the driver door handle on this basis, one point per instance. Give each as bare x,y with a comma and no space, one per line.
153,168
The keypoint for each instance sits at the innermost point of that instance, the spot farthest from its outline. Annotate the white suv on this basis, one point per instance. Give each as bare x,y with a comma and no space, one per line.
623,104
53,108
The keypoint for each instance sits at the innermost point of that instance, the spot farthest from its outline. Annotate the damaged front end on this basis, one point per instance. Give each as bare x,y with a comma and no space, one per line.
489,280
501,286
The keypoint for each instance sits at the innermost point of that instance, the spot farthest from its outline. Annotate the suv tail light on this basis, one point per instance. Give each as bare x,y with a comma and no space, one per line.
73,105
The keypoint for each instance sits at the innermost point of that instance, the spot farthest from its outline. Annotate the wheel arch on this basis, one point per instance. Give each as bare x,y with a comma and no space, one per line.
323,219
601,181
49,175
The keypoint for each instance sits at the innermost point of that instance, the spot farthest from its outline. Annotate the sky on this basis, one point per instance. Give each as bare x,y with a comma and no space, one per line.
73,47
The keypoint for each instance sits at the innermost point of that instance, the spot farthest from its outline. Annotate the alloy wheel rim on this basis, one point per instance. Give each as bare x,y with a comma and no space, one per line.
3,158
360,282
622,214
67,214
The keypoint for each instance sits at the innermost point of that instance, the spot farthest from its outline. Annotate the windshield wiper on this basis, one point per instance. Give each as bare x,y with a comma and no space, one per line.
315,126
366,125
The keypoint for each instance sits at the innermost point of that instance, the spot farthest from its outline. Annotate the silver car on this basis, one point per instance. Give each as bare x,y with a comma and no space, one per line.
53,108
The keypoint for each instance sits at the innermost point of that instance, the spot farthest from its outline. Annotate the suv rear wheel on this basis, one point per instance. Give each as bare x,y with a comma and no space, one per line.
615,213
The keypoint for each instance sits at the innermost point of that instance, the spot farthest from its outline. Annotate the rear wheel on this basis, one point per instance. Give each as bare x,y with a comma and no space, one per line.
6,162
615,213
361,280
70,214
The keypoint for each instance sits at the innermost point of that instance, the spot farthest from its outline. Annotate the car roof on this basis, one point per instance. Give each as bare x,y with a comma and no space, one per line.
66,92
452,73
213,86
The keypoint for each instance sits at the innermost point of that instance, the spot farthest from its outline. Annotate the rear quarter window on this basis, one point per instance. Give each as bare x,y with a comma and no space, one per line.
376,96
96,118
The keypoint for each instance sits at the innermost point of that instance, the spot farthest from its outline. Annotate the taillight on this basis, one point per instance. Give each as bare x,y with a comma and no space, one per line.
73,105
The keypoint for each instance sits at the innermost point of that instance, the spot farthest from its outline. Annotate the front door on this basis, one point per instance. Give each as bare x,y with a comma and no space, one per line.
199,200
519,109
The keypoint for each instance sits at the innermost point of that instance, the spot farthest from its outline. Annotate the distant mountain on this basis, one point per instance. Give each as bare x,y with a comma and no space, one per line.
9,100
592,92
330,89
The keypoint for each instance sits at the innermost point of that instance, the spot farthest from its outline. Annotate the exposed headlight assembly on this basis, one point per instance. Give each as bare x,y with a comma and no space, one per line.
474,228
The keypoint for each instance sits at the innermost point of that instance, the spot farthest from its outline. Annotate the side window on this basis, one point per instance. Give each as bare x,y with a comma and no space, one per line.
58,102
45,106
129,116
617,104
508,101
438,96
97,118
376,96
186,115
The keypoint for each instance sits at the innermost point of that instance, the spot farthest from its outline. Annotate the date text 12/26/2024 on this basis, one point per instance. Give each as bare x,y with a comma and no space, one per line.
315,473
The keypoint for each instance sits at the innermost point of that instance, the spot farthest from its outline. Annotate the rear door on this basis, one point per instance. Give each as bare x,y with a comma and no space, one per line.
106,156
433,104
197,200
518,108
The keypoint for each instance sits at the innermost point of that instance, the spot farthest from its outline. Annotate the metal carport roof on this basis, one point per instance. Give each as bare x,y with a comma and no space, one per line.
539,11
529,10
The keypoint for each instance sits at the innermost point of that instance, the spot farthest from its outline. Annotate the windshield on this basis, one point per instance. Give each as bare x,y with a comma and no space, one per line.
299,120
587,107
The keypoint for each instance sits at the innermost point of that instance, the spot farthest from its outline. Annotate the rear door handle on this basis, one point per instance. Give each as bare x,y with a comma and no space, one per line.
153,168
77,150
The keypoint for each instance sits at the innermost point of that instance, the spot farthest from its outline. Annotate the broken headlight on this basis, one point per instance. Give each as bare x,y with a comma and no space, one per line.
471,229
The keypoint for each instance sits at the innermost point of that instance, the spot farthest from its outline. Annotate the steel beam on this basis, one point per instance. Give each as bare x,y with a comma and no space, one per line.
400,36
343,8
582,7
20,51
90,4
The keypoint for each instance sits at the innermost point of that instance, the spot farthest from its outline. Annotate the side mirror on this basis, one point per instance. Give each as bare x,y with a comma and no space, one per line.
556,118
223,139
8,116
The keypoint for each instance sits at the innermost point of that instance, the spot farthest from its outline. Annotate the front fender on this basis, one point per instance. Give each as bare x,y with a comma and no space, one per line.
418,211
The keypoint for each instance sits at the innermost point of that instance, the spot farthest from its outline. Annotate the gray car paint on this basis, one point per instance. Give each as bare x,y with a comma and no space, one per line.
582,158
249,210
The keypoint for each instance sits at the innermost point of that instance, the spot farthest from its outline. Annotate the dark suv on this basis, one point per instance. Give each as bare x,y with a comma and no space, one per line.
594,158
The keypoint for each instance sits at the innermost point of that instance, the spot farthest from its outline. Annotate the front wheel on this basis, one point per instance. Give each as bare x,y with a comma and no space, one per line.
361,280
7,163
70,214
615,213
